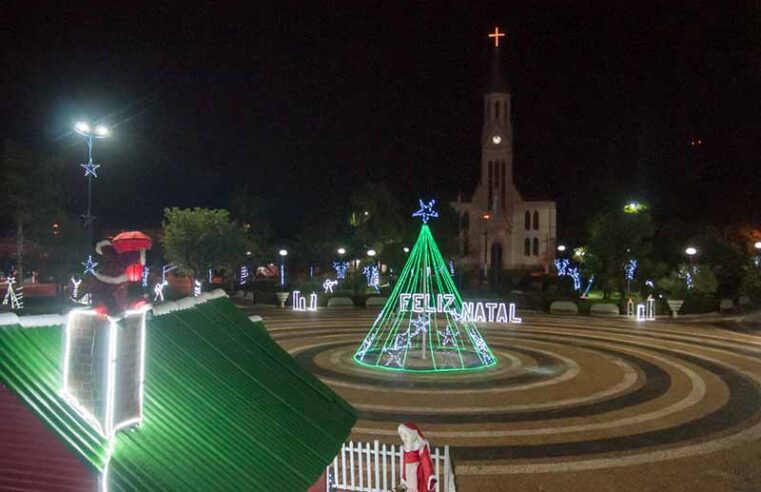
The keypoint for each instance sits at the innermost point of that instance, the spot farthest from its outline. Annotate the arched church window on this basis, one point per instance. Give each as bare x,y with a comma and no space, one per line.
527,247
504,184
536,220
496,110
491,182
465,221
527,220
466,246
536,247
505,109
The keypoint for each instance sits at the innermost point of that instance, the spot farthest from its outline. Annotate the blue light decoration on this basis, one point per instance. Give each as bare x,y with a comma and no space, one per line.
650,283
426,211
575,274
282,274
451,267
146,272
372,275
561,265
340,267
89,266
91,169
244,274
589,286
630,268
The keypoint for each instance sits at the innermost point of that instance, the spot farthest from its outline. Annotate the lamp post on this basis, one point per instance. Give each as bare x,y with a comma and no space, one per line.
283,253
90,168
561,248
691,251
486,216
757,259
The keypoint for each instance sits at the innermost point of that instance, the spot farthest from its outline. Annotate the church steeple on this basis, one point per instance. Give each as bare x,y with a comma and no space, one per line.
497,137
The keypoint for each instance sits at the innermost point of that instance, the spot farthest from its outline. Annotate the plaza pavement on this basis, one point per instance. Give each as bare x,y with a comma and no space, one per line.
575,403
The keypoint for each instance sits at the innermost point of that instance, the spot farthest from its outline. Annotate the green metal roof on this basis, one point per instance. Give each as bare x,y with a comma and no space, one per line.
225,407
30,365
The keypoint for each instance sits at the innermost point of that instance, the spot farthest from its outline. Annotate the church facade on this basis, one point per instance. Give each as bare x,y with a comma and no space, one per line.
500,230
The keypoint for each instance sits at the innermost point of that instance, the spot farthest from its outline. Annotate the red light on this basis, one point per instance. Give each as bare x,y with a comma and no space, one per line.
134,272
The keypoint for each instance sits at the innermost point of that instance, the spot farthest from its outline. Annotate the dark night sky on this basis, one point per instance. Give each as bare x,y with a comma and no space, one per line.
305,101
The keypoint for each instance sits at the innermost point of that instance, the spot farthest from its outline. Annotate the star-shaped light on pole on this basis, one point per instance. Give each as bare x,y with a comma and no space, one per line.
426,211
89,266
90,169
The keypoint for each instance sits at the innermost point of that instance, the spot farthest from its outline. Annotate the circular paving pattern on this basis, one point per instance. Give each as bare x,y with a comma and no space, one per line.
567,394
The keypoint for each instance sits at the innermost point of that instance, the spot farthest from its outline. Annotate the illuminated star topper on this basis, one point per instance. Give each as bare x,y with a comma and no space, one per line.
90,169
426,211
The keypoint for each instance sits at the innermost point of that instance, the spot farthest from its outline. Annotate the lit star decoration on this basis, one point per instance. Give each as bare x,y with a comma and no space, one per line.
447,336
426,211
91,169
420,325
89,266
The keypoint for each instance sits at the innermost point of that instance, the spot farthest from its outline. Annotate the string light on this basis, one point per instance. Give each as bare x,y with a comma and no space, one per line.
328,285
372,275
158,291
146,271
13,296
420,328
340,267
244,274
196,288
630,268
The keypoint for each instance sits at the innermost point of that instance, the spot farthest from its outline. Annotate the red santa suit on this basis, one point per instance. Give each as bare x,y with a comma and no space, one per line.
417,473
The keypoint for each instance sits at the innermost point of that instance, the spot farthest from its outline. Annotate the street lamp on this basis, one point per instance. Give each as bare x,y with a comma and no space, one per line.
341,251
371,253
757,245
486,216
561,248
90,167
283,253
406,249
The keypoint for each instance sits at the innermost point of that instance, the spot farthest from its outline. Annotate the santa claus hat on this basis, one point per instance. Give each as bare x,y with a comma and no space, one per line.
410,427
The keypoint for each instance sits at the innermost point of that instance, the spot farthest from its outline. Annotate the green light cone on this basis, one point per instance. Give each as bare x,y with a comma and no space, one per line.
427,341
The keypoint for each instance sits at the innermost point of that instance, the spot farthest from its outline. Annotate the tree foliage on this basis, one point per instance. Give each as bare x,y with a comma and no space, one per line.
198,239
614,238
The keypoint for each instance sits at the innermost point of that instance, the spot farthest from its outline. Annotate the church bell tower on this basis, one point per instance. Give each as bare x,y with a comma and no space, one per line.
497,140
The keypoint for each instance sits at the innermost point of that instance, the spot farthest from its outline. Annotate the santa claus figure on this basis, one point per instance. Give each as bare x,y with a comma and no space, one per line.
417,473
121,261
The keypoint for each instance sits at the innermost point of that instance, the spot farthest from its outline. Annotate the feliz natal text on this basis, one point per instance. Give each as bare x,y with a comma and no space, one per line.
478,312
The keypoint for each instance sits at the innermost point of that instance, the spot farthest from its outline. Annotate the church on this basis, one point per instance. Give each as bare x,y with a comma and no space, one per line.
499,230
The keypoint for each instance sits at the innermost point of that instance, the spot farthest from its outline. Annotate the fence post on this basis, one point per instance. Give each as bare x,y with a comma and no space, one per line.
377,464
447,467
351,462
385,476
437,458
343,465
393,465
359,470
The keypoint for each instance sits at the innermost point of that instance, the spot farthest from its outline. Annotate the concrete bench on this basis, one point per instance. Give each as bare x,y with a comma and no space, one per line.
564,307
340,303
376,301
726,305
603,309
743,300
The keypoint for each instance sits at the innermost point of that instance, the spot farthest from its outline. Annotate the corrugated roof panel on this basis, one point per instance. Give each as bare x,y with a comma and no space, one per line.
226,408
30,360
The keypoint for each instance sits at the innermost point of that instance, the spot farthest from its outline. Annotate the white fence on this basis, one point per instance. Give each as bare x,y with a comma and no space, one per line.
375,467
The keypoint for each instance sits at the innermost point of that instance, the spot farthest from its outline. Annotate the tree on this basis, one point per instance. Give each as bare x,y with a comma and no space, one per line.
377,217
198,239
251,211
30,192
615,237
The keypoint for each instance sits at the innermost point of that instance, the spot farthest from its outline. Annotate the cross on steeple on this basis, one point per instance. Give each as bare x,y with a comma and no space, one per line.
496,35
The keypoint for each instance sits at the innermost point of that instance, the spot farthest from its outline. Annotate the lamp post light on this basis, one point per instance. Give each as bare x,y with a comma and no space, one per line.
757,245
283,253
406,250
691,251
561,248
371,253
90,134
341,251
486,216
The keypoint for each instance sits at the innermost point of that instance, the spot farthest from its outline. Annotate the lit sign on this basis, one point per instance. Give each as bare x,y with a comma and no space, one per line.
300,302
479,312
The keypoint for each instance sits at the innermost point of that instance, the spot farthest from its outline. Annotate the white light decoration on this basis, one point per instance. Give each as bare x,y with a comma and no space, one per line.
371,253
341,251
630,308
244,274
561,265
419,326
74,288
328,285
630,268
372,275
589,286
641,312
300,302
483,312
158,291
196,288
650,308
13,296
81,327
451,267
146,273
89,265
